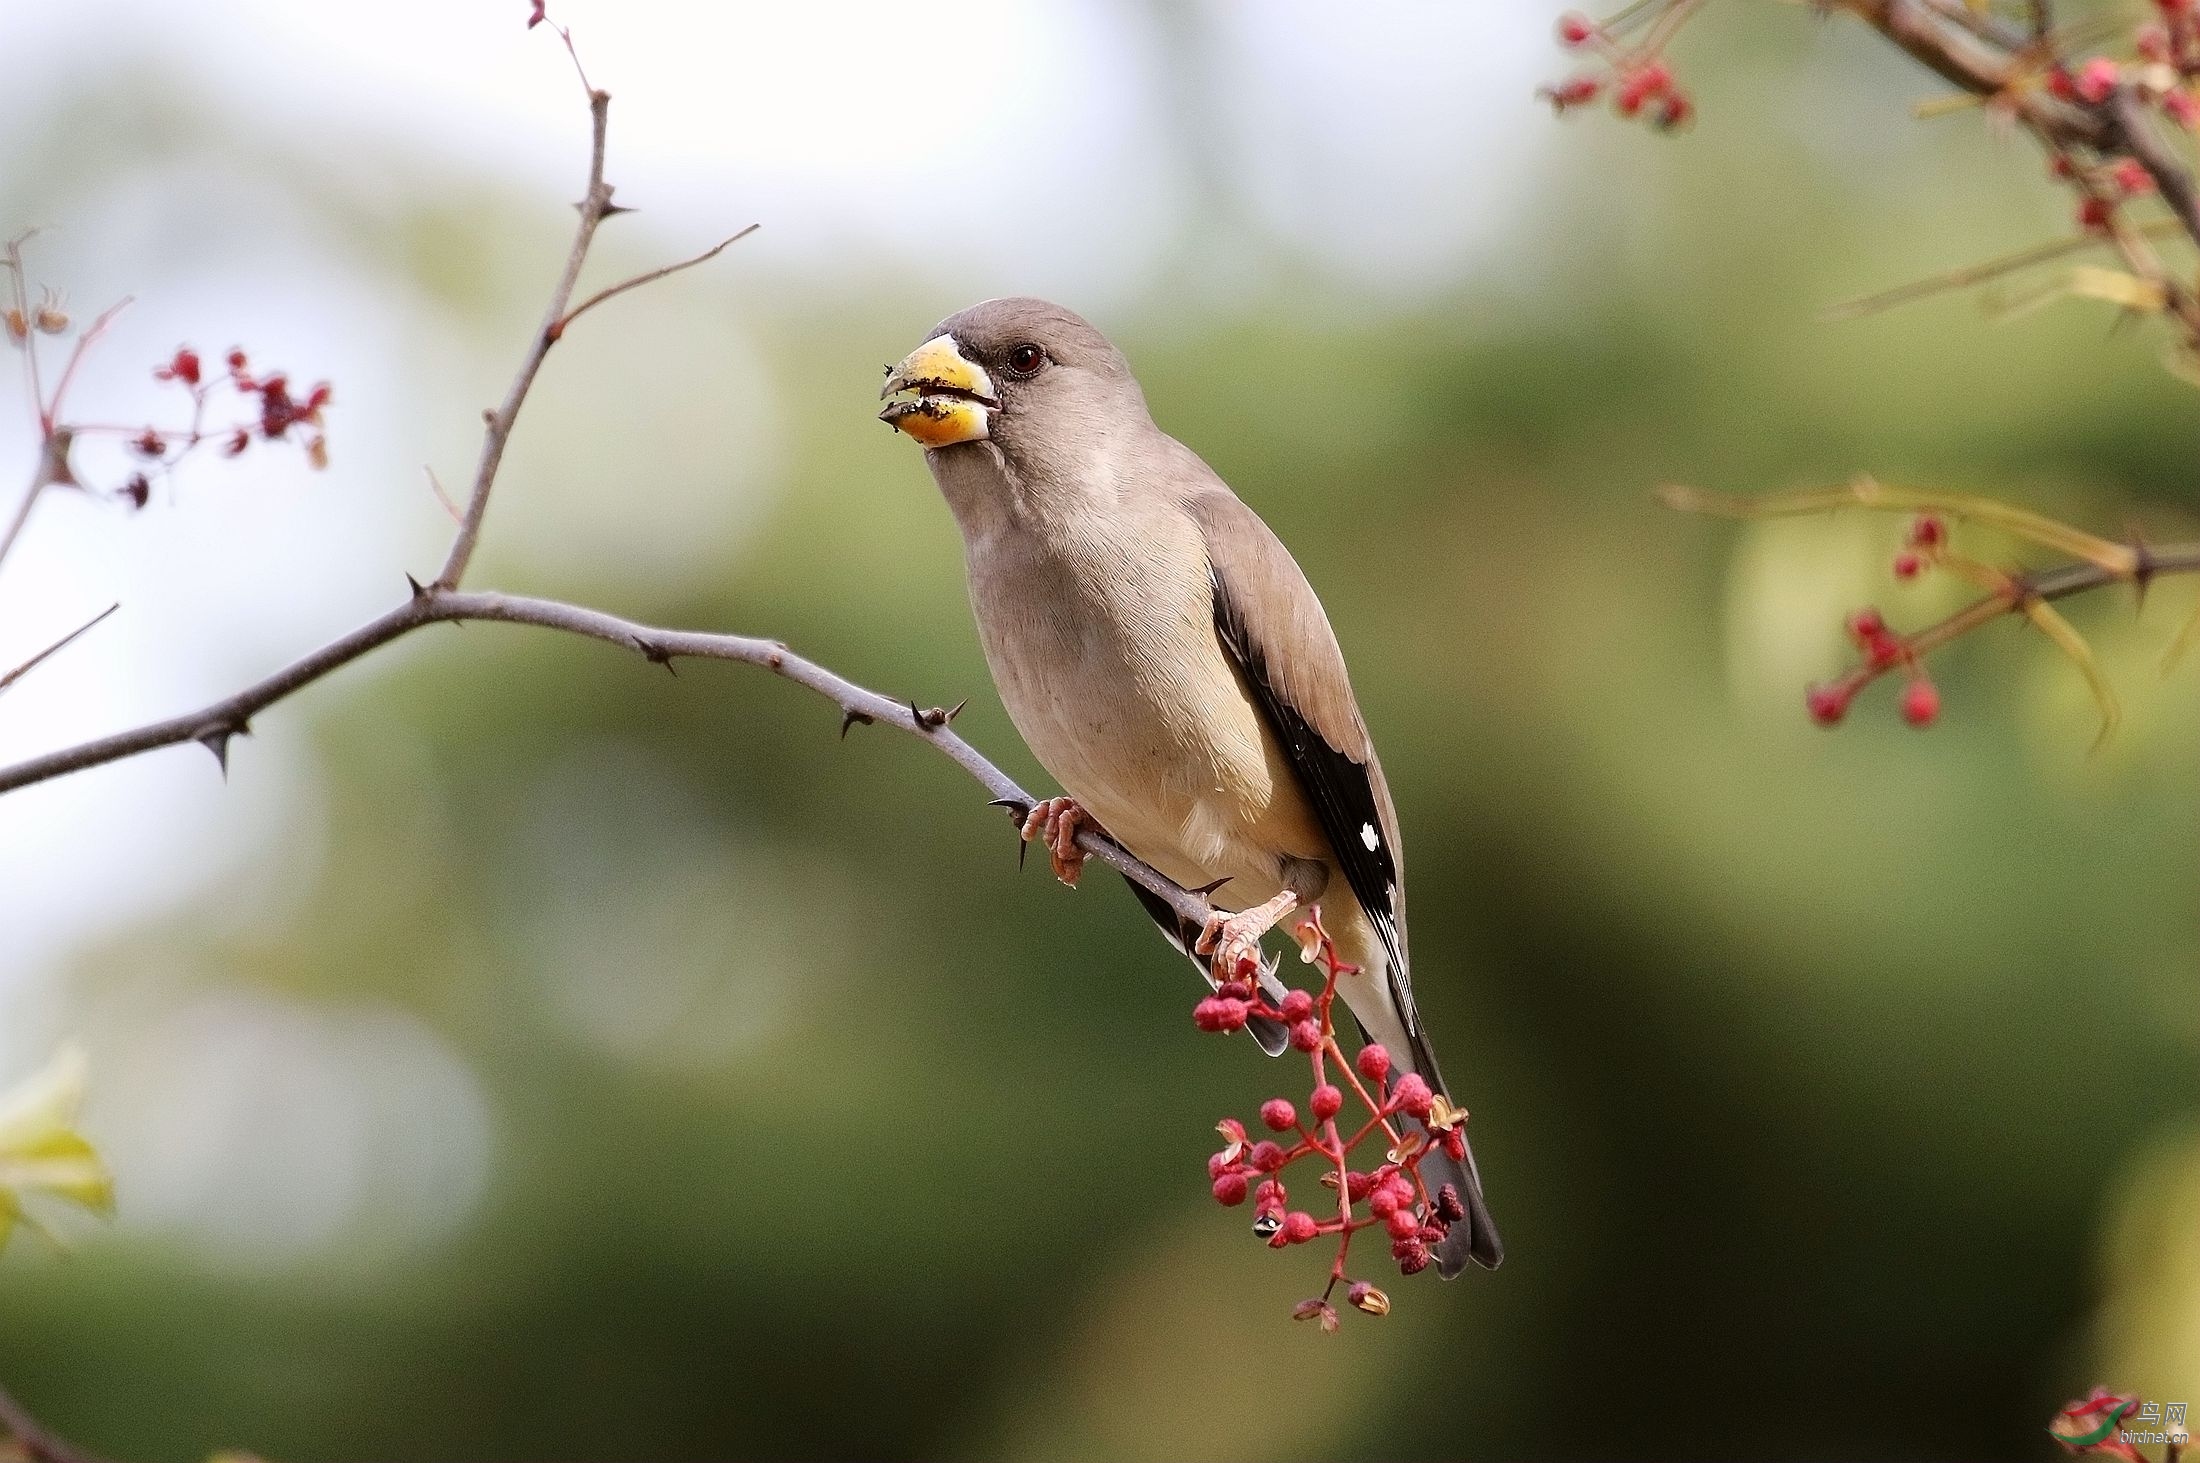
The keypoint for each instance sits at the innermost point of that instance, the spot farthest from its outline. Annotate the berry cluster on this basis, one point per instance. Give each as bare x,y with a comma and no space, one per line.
1882,649
1389,1194
1633,72
270,412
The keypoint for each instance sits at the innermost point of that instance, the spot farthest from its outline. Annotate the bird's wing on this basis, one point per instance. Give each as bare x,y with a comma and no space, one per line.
1274,630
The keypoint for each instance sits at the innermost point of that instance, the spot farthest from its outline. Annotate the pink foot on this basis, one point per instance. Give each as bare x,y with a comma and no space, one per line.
1232,941
1054,822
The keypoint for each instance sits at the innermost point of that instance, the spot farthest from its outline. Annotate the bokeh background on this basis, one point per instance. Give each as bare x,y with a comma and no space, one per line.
527,1054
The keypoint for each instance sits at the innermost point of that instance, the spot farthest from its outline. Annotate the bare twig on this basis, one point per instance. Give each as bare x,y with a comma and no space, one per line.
11,677
38,1445
53,468
650,277
1983,273
49,412
595,206
213,725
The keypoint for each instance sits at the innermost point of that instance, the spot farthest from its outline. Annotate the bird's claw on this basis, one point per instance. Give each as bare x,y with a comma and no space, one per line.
1232,944
1231,940
1054,822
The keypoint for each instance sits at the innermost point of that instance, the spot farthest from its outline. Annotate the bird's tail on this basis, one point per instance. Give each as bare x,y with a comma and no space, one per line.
1473,1237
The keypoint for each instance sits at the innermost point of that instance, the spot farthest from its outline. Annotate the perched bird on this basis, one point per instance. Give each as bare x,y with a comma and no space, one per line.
1167,662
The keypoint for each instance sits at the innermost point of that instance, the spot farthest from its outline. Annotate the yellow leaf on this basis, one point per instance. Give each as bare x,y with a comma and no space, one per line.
2059,630
2091,282
41,1152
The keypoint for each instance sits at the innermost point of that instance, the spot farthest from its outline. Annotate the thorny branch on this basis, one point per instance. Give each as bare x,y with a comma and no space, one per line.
2015,74
441,600
2093,563
213,726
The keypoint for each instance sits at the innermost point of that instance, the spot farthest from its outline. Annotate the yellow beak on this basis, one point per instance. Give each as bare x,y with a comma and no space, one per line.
941,396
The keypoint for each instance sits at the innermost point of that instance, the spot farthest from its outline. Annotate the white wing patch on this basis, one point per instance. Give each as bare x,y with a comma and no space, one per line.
1368,837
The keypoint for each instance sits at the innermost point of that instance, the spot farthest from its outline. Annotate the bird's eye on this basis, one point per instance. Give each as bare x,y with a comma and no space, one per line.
1026,359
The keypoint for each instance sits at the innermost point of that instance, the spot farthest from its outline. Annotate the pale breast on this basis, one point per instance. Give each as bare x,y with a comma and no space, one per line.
1107,661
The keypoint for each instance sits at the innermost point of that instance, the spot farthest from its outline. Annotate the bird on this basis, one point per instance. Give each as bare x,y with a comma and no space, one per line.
1165,659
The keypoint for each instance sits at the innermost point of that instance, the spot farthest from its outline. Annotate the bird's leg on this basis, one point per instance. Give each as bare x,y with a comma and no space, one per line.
1232,941
1055,822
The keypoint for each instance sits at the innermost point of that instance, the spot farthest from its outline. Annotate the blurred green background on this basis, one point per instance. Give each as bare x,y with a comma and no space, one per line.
581,1062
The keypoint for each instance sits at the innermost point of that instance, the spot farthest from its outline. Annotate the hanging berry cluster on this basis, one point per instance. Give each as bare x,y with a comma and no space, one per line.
1402,1119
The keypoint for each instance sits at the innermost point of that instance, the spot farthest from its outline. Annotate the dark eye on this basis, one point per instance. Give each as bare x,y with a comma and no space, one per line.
1026,359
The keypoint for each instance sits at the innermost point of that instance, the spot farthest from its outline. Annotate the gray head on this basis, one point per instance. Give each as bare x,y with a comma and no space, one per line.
1028,376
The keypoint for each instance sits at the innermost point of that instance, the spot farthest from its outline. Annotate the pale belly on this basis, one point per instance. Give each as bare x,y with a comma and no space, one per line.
1162,746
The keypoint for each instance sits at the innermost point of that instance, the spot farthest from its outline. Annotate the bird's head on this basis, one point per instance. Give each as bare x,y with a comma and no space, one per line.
1005,369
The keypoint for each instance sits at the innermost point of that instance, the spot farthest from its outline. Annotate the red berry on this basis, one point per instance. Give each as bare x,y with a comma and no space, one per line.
1297,1006
1382,1203
1219,1013
1401,1188
1455,1144
1266,1156
1573,92
1866,626
1234,990
1449,1208
1920,704
1402,1224
1306,1036
1828,704
2093,213
2131,176
182,366
1325,1101
1411,1255
1373,1061
236,362
1271,1195
1928,531
1230,1189
1357,1185
1412,1095
2097,79
1674,113
1575,29
2060,86
1279,1115
1299,1227
1907,565
1231,1129
1221,1163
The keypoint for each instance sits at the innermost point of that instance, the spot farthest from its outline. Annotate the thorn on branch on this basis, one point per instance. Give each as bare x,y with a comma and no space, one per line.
933,717
419,590
656,654
849,717
217,742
